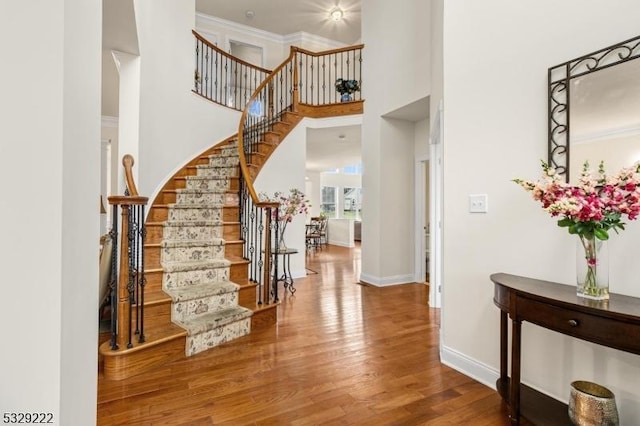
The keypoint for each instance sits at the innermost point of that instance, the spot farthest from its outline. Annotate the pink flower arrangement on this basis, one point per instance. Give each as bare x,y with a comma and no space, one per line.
291,205
595,205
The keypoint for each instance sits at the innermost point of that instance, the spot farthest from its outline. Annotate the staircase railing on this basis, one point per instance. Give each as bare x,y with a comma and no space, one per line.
303,78
223,78
319,71
127,288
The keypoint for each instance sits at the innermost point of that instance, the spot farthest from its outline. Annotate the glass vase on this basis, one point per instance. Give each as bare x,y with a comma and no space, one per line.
282,246
592,268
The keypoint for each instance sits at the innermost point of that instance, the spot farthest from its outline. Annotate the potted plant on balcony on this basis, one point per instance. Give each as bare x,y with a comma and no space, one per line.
346,88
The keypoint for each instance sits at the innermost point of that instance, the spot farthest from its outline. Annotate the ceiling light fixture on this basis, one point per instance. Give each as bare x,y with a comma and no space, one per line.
249,14
336,14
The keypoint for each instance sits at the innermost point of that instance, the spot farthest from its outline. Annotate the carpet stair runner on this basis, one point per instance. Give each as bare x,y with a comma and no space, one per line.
195,271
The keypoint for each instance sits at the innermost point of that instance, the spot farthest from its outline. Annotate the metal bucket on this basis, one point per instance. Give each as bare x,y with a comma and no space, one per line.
592,405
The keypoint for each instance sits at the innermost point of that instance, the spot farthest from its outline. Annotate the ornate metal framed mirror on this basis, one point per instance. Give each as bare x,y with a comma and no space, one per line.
598,71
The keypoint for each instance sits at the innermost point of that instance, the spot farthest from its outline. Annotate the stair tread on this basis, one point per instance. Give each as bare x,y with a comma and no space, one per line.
155,295
153,335
195,206
214,166
190,223
197,291
211,242
198,191
197,177
195,266
235,260
215,319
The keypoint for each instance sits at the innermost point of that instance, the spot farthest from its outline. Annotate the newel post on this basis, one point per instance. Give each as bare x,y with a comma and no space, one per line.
266,288
124,313
295,94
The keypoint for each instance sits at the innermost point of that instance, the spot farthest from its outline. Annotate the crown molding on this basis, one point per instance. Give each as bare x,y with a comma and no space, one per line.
203,19
109,121
614,133
298,38
302,38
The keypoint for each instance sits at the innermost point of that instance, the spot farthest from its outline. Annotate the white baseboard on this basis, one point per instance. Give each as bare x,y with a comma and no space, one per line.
342,243
482,372
469,367
387,281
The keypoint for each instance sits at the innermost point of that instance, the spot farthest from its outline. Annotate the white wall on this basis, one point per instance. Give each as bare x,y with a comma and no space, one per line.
341,232
129,122
495,129
53,222
421,138
341,179
400,36
313,187
285,170
109,131
110,99
175,124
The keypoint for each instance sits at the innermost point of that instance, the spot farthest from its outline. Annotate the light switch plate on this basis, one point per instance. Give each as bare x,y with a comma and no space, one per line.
478,203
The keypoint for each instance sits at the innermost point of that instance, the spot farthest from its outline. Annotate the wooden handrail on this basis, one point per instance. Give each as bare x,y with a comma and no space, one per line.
328,52
127,200
243,118
128,162
222,52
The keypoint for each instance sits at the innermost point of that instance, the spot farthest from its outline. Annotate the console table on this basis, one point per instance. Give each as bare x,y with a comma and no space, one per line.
614,323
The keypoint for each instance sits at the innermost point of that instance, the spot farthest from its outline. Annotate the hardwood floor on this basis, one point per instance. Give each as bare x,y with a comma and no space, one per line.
341,354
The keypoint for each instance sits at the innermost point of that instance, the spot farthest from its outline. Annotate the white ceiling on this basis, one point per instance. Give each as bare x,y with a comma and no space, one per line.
291,16
327,150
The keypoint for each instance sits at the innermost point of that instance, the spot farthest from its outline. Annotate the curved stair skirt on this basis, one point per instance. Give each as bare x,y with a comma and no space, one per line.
177,223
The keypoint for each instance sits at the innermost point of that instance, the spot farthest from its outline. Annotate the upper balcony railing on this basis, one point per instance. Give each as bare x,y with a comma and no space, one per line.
320,72
223,78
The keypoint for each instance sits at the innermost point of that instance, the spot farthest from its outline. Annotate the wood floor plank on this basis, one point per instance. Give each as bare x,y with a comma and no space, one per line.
342,353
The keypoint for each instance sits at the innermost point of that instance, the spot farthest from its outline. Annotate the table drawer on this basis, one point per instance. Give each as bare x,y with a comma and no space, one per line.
594,328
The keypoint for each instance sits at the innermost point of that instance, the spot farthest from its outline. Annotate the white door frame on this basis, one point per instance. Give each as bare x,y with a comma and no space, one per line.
435,211
420,176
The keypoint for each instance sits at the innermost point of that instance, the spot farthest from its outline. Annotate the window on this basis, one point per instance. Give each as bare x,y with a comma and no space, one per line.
352,203
354,169
328,204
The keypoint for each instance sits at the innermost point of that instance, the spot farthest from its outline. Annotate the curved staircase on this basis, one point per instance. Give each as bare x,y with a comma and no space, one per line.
198,292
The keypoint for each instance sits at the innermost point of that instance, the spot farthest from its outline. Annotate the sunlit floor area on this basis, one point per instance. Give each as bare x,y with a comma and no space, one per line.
342,353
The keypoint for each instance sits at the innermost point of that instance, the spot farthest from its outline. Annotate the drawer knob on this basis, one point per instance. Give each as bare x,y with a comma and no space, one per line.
573,323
